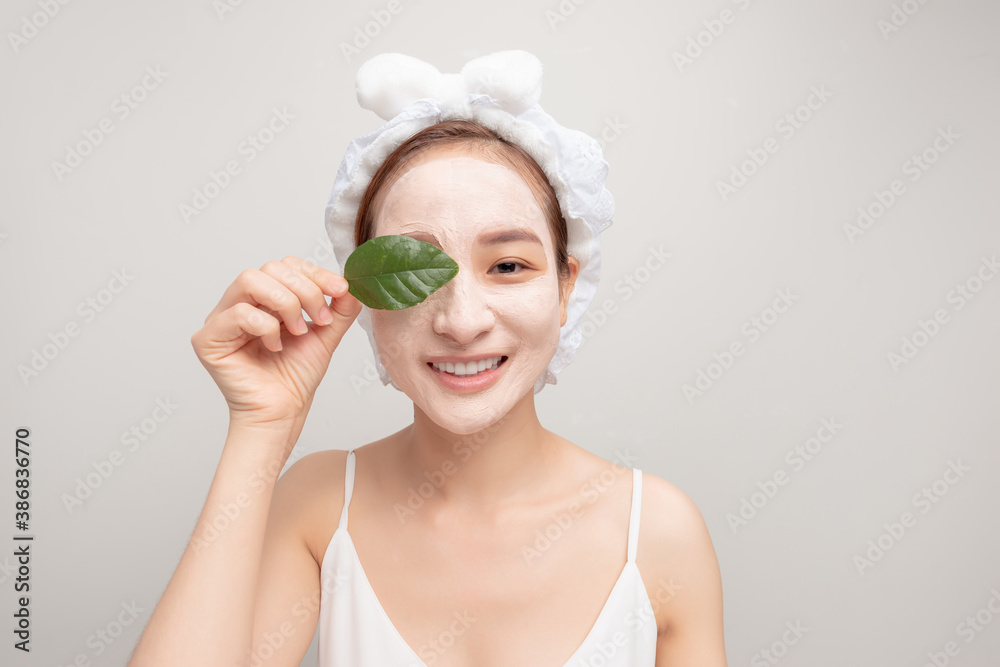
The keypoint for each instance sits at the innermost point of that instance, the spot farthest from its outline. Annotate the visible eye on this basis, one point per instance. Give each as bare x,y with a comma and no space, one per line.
508,267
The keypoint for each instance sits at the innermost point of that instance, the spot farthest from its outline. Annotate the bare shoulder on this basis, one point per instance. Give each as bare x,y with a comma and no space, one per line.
676,556
670,519
310,495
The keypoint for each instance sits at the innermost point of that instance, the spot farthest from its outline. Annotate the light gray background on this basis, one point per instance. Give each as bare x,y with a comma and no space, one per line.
671,134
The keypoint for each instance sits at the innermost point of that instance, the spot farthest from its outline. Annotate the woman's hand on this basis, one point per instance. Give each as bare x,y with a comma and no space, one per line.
257,347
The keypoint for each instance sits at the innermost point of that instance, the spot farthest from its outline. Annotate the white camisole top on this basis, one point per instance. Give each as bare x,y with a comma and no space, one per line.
355,631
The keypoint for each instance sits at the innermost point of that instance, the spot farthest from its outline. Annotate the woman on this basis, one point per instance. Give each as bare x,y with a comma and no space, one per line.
485,538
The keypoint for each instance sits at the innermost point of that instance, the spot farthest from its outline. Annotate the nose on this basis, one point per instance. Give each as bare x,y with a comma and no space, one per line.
461,311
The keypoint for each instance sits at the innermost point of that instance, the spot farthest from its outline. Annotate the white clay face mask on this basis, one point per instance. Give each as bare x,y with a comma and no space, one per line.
501,311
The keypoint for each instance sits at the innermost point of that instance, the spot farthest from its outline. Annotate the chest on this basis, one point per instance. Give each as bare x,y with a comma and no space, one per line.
534,593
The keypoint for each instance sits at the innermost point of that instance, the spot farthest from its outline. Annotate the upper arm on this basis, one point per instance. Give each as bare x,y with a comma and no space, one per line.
287,605
686,588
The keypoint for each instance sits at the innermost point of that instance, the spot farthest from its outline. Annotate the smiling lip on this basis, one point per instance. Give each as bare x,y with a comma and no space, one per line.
464,358
476,382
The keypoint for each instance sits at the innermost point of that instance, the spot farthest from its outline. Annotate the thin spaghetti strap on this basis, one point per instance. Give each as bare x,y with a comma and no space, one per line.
348,488
633,521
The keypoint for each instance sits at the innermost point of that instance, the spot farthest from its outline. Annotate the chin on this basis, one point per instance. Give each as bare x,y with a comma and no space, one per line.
463,420
464,429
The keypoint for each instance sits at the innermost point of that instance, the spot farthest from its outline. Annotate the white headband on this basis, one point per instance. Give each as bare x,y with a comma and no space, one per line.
499,91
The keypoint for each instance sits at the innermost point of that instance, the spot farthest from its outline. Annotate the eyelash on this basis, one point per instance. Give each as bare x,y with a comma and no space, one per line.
524,267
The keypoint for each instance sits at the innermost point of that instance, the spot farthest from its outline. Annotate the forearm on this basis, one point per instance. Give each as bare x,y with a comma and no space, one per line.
205,616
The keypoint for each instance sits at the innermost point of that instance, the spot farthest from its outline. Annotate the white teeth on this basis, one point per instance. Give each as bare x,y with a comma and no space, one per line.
468,368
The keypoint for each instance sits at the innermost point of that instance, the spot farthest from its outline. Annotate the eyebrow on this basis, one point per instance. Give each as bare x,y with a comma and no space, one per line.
487,238
508,236
423,236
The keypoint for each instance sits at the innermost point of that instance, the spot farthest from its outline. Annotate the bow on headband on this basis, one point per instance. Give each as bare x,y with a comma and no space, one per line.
390,82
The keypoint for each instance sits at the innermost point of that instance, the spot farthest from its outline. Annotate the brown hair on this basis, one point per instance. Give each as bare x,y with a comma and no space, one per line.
484,144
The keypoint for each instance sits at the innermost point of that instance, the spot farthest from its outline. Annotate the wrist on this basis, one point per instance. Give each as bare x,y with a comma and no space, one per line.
264,427
262,442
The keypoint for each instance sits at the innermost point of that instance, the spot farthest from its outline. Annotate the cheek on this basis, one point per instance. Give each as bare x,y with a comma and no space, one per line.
534,313
392,332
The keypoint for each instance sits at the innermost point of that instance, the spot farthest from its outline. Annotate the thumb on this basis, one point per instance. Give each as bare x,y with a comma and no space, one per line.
345,310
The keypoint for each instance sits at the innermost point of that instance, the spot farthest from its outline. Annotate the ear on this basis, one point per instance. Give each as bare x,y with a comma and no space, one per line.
566,287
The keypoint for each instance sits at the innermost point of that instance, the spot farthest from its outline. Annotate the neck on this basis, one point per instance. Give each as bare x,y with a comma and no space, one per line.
482,471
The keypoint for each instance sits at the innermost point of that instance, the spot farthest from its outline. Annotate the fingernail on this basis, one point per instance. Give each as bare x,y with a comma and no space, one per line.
325,316
301,325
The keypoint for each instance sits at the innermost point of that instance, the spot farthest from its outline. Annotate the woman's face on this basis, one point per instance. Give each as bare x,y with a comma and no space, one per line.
503,305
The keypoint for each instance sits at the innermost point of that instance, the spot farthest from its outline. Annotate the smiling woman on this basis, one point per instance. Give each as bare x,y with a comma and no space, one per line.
457,202
485,538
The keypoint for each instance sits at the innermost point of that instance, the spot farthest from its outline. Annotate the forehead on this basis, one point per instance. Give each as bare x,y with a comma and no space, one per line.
448,187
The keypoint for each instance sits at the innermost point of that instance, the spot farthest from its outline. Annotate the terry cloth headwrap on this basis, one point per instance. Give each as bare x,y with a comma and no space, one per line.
499,91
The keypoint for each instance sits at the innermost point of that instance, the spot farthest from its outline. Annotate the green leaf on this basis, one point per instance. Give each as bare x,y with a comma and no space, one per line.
395,272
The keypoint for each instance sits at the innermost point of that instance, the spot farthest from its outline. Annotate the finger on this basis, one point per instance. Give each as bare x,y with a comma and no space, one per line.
345,310
257,288
230,329
309,283
346,306
247,287
329,282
